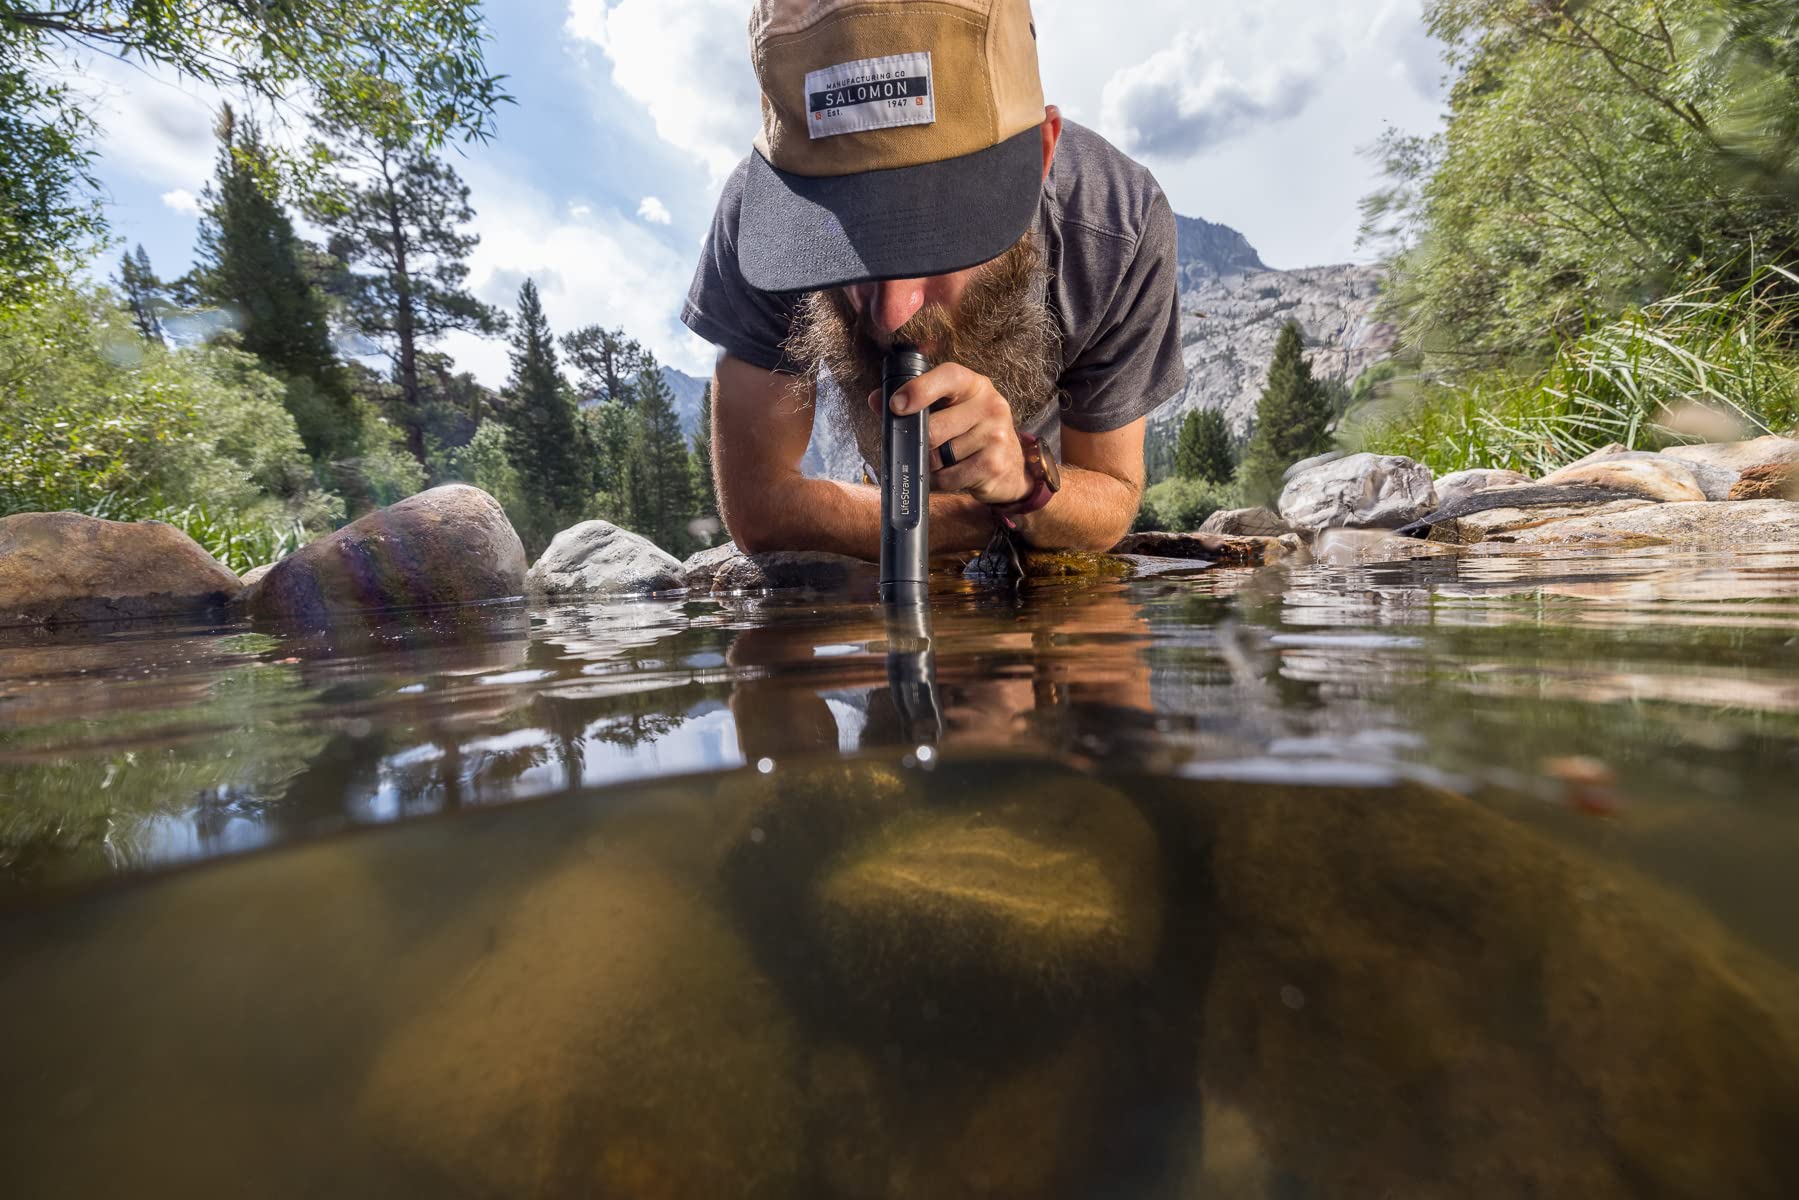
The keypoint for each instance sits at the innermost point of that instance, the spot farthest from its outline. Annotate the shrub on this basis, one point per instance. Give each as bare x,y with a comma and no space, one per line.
1178,505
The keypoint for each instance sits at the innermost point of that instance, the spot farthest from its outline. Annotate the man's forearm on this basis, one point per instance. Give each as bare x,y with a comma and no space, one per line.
1091,512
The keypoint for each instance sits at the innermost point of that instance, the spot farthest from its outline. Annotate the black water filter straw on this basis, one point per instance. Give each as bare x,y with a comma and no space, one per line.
905,486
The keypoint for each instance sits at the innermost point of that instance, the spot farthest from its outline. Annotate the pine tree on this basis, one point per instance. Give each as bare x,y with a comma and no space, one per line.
251,263
609,363
397,212
143,293
544,439
1204,452
1292,418
705,497
659,490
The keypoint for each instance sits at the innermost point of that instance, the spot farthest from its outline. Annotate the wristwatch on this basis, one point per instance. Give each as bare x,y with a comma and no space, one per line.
1046,476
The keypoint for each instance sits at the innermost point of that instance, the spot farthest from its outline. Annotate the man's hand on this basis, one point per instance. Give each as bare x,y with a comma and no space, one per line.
974,422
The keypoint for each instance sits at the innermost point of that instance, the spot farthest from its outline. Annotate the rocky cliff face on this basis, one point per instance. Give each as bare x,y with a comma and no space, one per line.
1208,252
1229,324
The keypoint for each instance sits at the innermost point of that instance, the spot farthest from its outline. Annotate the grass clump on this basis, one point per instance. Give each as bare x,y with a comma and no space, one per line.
1729,352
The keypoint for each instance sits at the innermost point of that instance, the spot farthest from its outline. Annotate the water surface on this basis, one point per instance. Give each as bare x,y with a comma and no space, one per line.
1455,877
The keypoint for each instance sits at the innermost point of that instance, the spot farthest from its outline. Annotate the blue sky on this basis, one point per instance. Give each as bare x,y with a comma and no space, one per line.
601,180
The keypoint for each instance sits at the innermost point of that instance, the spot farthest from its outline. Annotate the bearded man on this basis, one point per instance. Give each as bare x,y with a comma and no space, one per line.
910,185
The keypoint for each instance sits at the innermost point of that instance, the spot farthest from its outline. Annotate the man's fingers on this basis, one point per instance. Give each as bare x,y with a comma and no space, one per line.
968,472
948,382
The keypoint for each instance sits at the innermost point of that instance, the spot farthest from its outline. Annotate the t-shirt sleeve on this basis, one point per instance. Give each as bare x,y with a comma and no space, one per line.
1133,365
722,307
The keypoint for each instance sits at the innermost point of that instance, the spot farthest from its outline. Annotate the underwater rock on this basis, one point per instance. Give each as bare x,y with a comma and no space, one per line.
702,567
1247,551
1770,481
615,1040
1650,475
599,557
808,569
1740,456
1360,491
1073,564
1038,899
1724,525
448,545
1245,522
1461,484
1412,994
67,567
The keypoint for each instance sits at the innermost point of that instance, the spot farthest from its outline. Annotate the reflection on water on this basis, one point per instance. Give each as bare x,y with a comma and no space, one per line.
1457,877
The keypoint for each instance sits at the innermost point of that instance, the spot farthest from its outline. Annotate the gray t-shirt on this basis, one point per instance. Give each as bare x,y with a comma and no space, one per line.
1109,242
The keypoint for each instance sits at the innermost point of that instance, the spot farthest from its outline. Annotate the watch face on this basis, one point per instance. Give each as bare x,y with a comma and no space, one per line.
1052,473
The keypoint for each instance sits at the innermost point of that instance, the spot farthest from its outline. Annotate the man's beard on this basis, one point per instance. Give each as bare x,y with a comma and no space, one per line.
1002,328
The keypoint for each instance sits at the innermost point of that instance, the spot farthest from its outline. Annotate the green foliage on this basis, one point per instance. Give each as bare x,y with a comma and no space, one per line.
1179,505
545,441
396,211
1593,152
142,292
411,64
1204,451
93,418
608,362
48,216
1728,349
658,486
485,463
1292,419
251,265
705,493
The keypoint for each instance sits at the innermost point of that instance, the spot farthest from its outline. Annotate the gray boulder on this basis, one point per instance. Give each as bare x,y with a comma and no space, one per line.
1460,484
1740,456
66,567
808,569
1245,522
449,545
1655,476
1726,525
1361,491
599,557
703,567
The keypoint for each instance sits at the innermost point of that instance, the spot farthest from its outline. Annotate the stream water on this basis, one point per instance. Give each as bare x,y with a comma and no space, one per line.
1458,877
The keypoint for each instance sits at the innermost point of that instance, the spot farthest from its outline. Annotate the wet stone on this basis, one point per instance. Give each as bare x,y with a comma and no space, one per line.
597,557
1651,476
448,545
1730,524
65,567
1245,522
1235,550
801,569
1461,484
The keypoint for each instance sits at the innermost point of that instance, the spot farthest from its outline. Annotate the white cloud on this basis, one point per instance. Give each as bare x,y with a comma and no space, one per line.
654,211
598,267
1188,97
182,201
578,211
687,62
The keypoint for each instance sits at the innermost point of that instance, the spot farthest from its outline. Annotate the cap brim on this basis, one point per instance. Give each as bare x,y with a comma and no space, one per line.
801,233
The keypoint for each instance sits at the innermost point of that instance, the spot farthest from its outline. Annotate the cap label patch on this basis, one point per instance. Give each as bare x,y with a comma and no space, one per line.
870,93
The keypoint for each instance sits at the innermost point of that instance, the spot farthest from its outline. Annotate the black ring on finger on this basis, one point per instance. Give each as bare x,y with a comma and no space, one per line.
947,455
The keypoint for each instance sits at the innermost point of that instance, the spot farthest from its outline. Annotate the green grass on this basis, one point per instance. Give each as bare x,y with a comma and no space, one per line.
1734,351
239,540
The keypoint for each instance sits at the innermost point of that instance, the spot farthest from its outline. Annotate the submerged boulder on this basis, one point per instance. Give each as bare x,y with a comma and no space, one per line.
1379,491
449,545
599,557
68,567
1245,522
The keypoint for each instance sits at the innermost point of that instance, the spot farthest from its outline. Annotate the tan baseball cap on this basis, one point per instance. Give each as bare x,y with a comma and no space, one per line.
899,139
